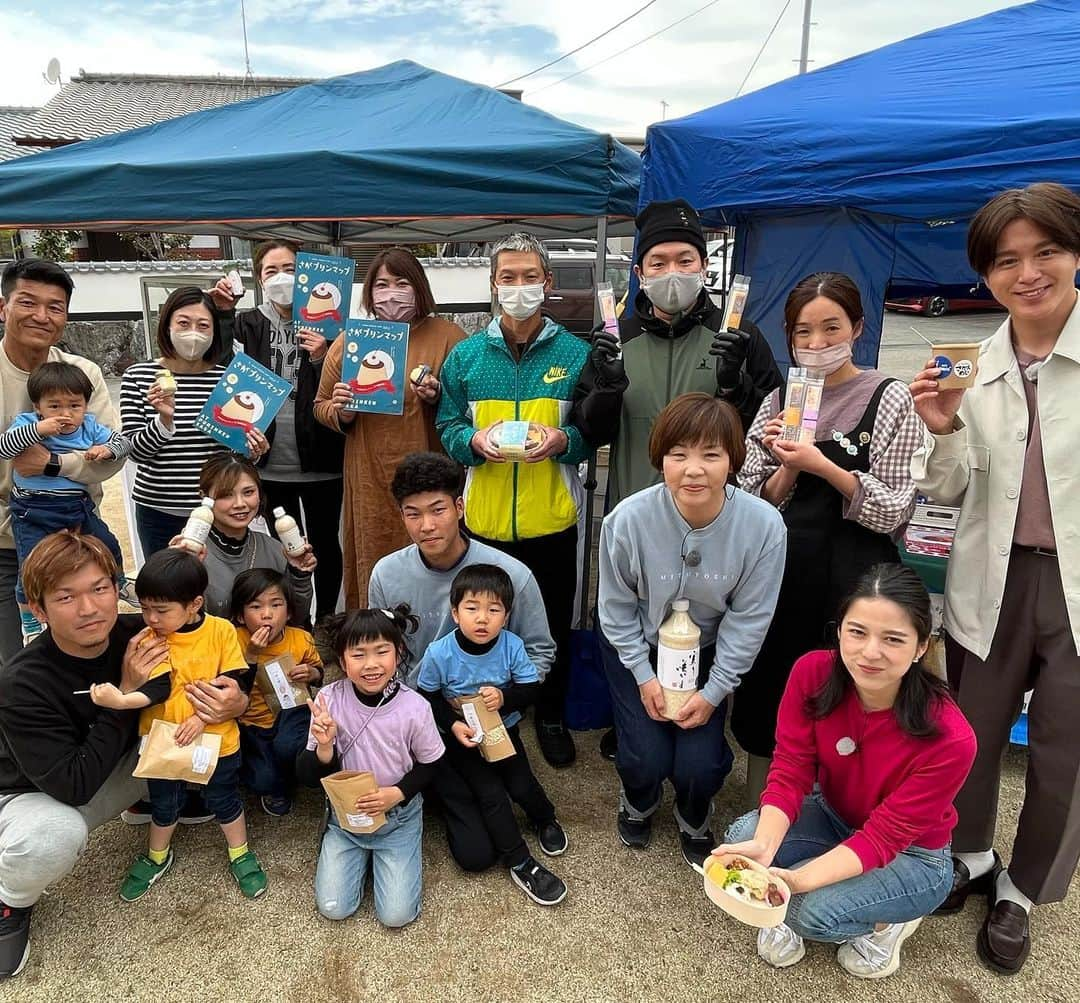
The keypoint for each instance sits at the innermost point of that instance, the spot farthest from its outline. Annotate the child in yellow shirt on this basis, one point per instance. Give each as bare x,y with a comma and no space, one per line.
170,587
263,605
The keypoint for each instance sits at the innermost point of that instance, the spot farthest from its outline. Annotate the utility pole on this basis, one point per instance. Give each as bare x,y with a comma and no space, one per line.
247,58
663,110
805,51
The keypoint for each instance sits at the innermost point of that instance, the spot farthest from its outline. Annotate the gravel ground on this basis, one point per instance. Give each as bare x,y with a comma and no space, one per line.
635,925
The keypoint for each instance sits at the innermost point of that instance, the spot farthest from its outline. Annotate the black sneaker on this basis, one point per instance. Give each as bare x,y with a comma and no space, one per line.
552,838
556,743
194,811
609,744
536,881
14,940
696,849
634,833
137,814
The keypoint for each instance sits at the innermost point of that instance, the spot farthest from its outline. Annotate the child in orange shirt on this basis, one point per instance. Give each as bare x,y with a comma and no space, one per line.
263,605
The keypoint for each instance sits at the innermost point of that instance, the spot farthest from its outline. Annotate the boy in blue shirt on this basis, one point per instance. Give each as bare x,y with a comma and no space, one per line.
480,658
48,502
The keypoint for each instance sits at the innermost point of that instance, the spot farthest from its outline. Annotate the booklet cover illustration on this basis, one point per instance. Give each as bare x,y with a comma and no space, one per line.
322,293
247,396
373,365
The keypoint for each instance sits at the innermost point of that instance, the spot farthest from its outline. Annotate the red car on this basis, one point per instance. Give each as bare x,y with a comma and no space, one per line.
940,301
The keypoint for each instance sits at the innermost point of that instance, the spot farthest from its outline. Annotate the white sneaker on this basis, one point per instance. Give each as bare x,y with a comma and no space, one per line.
876,955
780,946
127,594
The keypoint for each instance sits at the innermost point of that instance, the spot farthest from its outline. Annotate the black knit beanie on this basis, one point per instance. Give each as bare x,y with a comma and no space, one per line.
661,222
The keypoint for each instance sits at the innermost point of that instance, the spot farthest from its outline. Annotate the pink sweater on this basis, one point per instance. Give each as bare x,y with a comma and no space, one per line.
894,790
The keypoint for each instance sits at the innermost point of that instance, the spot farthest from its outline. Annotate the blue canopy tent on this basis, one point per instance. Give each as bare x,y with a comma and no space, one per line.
874,165
400,153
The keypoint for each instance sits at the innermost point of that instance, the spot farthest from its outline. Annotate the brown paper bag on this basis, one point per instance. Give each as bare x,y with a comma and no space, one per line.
343,788
495,744
281,693
160,758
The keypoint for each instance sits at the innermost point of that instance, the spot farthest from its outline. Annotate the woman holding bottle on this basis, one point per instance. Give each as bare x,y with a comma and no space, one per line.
845,497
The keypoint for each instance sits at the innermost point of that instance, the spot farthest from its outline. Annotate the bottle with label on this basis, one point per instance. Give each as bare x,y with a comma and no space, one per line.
287,531
197,528
678,652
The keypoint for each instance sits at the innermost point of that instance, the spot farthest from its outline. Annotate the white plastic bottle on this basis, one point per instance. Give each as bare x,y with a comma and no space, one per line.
197,528
678,653
288,532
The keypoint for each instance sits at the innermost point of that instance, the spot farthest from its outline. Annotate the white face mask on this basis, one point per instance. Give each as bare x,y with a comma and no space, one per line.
279,288
674,292
826,360
191,344
521,302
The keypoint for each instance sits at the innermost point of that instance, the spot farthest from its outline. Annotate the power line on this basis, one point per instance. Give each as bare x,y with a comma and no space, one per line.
648,38
580,47
768,37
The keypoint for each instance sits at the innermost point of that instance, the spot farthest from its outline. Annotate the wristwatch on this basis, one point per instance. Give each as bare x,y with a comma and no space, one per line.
52,468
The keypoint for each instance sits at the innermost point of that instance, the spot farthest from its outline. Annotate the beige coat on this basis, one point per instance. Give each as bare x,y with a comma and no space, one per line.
980,467
14,400
374,445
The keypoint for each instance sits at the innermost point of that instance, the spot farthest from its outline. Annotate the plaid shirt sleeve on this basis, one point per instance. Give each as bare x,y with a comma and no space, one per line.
885,496
759,464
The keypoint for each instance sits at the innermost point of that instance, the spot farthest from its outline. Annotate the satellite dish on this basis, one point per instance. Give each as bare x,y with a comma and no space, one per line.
52,71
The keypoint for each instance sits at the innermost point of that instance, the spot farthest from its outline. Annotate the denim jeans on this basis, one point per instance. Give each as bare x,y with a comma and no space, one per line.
221,793
35,516
156,528
268,755
394,856
911,886
696,760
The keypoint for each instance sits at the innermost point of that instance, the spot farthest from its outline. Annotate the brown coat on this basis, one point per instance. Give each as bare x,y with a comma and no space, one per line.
374,445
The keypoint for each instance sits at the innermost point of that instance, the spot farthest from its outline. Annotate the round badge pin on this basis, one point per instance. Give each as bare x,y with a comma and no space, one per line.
846,746
852,450
864,438
837,436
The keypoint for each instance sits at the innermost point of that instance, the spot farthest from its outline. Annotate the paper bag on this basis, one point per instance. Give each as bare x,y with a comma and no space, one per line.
160,758
343,788
280,691
495,744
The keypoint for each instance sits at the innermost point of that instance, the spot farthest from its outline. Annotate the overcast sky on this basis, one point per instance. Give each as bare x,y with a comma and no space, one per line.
698,63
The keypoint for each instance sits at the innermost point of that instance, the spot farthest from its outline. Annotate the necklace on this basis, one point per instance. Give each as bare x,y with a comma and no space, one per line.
849,744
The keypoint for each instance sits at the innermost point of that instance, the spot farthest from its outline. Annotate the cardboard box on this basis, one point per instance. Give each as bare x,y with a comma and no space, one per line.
959,364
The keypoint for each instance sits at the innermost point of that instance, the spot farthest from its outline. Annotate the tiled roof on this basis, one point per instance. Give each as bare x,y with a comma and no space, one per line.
98,104
13,121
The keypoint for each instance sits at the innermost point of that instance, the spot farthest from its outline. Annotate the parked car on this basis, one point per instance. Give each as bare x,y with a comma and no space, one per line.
572,298
939,300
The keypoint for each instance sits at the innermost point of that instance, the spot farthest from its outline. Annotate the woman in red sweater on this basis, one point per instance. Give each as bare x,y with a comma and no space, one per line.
866,854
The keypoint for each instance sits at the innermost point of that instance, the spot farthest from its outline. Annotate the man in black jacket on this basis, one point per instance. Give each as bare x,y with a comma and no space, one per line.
65,763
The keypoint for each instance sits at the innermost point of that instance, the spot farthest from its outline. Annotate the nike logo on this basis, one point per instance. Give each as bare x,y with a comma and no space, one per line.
555,374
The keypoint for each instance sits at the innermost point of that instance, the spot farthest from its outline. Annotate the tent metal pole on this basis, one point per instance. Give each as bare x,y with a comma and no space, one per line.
804,52
600,270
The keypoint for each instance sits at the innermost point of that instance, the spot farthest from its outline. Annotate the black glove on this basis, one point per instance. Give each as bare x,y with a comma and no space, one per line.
606,349
729,347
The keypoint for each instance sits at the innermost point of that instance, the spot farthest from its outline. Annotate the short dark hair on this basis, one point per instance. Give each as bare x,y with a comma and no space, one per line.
420,473
265,248
835,286
698,419
251,584
1051,207
171,575
482,579
356,626
188,296
403,264
63,377
36,270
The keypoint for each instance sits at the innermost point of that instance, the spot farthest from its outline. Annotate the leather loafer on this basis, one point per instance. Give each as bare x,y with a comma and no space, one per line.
964,885
1004,939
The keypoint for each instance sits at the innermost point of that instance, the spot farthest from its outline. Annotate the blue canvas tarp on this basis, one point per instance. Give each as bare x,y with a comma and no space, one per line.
396,153
873,165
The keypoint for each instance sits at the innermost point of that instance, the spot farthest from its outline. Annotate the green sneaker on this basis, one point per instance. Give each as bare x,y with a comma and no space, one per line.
142,874
249,875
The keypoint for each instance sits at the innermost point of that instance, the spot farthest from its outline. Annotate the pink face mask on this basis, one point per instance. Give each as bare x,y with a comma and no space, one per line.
395,304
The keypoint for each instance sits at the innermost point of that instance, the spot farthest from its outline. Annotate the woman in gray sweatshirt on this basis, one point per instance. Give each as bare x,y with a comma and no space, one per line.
695,537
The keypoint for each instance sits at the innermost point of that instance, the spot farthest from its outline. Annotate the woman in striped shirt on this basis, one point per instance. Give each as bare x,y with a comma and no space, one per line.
161,423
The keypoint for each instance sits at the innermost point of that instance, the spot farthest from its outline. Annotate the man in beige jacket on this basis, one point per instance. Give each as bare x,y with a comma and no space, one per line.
1005,450
34,298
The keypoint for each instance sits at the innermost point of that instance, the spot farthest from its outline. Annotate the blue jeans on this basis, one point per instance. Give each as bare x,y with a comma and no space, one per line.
34,516
156,528
911,886
696,760
221,793
394,855
268,755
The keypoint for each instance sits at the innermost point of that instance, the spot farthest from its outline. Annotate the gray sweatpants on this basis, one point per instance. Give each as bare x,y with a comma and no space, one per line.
41,838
